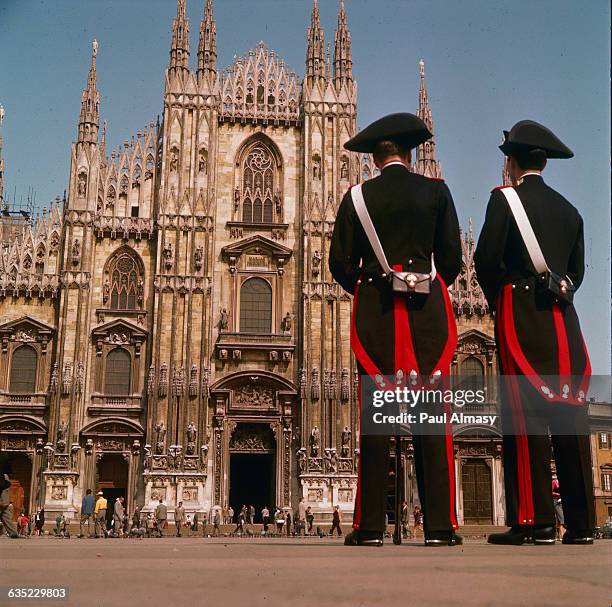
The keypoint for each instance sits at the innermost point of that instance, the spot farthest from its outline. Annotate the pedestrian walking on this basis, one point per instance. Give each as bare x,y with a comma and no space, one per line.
216,523
301,518
309,520
100,515
39,521
265,518
161,517
179,518
118,514
336,519
87,514
279,517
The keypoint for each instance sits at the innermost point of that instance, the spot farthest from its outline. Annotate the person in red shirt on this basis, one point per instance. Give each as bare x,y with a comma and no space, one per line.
558,507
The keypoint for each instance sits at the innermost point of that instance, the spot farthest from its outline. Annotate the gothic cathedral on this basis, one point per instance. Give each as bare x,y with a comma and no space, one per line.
171,331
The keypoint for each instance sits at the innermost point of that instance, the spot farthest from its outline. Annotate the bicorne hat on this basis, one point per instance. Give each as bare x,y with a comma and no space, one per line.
530,135
402,127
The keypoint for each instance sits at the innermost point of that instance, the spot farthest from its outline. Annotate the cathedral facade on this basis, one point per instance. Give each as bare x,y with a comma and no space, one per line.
171,331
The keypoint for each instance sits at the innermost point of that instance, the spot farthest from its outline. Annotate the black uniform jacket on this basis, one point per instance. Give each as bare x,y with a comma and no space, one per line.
414,217
536,336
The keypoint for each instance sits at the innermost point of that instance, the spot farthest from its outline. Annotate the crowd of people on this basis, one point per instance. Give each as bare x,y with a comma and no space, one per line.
96,522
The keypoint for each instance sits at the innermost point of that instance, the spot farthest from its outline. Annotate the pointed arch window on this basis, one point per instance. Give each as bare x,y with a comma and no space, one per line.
256,306
124,282
259,183
23,370
472,373
118,375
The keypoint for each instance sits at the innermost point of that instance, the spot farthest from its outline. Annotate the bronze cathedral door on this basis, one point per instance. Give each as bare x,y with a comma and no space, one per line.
476,483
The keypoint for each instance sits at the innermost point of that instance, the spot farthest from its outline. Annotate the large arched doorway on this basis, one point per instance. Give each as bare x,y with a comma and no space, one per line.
252,477
112,479
477,491
21,482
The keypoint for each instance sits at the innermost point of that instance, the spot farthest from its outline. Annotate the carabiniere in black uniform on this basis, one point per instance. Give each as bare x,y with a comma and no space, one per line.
414,217
542,353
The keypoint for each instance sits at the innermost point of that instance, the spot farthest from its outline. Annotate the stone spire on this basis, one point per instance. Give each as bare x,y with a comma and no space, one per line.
506,179
315,53
343,60
207,47
89,118
426,163
179,51
1,160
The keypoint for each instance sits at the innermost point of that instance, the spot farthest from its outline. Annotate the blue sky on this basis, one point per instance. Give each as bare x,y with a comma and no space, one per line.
488,64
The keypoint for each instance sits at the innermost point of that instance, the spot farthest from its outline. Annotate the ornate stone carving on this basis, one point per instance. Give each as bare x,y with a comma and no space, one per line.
160,437
192,435
301,460
252,437
314,441
163,380
286,323
168,255
346,442
198,257
60,443
80,378
316,265
75,251
178,382
151,380
67,378
59,492
53,382
303,383
205,381
223,320
82,184
331,462
315,386
344,384
315,495
249,396
193,380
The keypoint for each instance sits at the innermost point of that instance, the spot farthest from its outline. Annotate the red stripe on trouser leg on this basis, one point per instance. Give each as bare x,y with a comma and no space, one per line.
450,462
523,463
357,512
563,348
405,357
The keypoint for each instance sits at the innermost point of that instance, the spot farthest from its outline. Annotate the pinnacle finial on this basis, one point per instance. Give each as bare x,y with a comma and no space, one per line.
422,68
1,114
94,48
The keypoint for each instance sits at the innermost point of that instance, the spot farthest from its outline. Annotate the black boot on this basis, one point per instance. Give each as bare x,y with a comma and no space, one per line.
364,538
516,536
443,538
578,536
544,534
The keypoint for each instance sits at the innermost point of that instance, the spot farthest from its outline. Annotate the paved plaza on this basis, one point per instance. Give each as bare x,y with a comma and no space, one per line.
310,572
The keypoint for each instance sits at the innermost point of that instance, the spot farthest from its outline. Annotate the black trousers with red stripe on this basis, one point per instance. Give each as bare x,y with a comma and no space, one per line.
526,423
433,458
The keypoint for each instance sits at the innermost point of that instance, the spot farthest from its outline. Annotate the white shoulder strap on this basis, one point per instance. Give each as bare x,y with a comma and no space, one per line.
529,238
368,227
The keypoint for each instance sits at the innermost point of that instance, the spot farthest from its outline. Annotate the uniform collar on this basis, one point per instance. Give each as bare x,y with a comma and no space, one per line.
529,174
393,162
